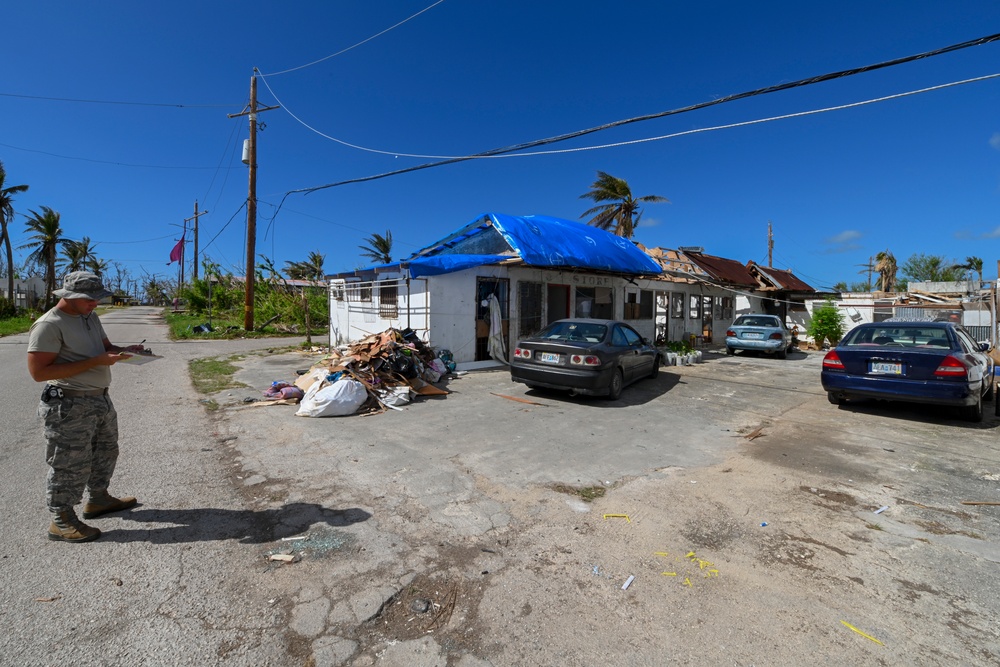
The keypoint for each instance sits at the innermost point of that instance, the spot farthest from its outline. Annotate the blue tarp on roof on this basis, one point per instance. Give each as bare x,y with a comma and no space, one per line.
538,240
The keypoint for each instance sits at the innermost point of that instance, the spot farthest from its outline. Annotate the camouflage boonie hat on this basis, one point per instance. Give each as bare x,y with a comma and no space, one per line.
82,285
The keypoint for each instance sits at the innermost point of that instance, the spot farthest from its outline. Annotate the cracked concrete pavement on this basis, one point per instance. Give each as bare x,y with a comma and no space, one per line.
443,534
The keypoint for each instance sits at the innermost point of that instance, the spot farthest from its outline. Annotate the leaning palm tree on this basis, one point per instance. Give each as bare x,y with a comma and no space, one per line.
621,216
47,237
378,248
311,269
6,217
885,265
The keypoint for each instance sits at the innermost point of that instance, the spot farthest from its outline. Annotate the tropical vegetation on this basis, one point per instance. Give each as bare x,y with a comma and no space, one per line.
378,248
6,217
617,210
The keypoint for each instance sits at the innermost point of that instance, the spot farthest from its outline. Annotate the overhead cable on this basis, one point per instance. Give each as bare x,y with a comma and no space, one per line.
136,104
342,51
662,114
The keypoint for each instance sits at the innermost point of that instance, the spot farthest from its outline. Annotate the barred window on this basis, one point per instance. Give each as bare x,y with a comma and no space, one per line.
388,294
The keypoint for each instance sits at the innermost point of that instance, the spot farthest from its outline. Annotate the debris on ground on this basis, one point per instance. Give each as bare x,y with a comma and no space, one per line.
380,372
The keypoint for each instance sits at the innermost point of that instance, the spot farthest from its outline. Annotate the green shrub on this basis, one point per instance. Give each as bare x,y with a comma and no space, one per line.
827,323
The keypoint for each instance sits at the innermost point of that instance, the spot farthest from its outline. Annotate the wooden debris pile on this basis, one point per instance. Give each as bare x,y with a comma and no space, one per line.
392,366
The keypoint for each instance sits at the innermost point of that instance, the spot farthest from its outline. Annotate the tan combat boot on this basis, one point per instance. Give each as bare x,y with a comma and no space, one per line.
67,528
101,502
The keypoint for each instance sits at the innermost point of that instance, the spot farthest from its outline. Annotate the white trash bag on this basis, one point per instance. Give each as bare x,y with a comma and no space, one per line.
341,398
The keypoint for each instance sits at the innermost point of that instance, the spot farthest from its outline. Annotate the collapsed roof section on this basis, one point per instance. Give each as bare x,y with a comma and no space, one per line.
533,240
778,279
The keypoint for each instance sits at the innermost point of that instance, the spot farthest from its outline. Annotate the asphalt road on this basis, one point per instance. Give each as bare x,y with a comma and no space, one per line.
174,582
444,533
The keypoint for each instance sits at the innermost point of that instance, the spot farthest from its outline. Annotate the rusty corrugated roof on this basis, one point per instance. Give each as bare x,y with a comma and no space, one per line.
779,278
724,270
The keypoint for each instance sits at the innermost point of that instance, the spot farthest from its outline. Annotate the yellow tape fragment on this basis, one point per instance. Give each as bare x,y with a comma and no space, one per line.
618,516
690,554
866,636
669,574
661,553
687,582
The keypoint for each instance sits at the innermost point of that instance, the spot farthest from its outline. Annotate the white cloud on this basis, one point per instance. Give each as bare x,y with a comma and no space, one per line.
995,140
995,234
843,237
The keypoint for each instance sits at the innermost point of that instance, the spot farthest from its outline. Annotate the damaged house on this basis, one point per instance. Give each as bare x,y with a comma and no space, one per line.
498,278
704,293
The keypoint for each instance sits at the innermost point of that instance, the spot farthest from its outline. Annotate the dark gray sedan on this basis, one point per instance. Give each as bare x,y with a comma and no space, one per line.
583,356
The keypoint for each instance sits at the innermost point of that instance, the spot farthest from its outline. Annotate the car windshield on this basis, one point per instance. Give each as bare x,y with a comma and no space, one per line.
755,321
897,336
580,331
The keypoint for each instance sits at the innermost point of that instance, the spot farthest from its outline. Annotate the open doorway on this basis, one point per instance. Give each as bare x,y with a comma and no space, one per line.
485,288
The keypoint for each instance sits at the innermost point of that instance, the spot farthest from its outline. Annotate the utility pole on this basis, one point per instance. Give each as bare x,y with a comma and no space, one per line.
194,272
251,110
770,245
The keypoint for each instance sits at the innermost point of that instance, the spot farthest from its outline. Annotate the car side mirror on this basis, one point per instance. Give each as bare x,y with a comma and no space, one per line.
984,346
646,341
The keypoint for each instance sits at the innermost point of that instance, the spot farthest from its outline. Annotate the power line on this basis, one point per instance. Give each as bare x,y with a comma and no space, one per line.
136,104
117,164
662,114
342,51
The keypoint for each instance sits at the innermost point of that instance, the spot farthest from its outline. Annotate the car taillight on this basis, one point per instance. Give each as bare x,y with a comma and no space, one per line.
730,333
951,367
775,336
832,362
522,353
585,360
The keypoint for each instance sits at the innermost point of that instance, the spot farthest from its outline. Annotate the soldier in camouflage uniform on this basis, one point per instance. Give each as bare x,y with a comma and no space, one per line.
69,351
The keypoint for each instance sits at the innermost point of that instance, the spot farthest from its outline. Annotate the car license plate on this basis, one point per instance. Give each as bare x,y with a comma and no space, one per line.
753,335
548,357
885,368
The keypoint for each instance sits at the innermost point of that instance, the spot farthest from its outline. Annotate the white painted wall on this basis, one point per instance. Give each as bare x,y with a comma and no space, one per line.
351,321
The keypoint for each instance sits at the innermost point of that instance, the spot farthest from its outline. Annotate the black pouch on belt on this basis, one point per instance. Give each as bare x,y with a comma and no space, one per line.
50,392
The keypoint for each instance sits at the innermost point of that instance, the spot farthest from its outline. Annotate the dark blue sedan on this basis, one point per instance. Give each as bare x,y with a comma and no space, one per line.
918,362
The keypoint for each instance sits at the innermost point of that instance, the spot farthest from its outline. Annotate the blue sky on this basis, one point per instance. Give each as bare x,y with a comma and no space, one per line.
917,174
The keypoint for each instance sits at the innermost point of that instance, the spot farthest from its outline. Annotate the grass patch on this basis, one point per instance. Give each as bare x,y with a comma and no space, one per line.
15,325
214,374
226,327
586,493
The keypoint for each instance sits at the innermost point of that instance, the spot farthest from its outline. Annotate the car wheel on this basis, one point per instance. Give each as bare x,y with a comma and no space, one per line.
730,351
834,398
656,368
615,386
974,413
781,354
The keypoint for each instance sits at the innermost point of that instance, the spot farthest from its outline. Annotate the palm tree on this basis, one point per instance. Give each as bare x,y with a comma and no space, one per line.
621,216
73,253
378,248
97,266
47,238
311,269
7,216
975,264
885,265
79,254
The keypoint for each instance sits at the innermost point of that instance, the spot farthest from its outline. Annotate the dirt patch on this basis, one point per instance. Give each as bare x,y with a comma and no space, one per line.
831,496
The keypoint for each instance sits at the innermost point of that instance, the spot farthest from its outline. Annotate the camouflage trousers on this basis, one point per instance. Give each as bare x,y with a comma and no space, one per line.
82,449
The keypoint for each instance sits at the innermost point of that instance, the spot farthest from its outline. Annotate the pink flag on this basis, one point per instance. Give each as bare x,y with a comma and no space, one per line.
177,252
